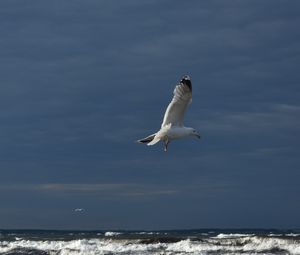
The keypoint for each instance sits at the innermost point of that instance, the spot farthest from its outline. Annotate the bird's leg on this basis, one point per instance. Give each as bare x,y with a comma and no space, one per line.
166,143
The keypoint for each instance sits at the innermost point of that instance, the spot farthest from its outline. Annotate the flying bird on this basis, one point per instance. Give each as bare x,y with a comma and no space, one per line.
78,210
172,126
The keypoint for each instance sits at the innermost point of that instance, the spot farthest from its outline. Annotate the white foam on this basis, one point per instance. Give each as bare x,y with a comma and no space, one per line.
244,245
263,243
190,247
109,233
150,233
232,235
82,246
292,234
275,235
240,245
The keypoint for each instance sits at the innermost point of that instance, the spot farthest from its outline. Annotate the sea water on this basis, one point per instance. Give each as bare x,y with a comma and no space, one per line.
191,242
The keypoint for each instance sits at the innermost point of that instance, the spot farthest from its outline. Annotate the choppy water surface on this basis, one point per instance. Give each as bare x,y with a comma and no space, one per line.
150,242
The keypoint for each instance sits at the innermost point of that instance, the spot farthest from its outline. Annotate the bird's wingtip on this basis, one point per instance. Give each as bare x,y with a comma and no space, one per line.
187,81
186,77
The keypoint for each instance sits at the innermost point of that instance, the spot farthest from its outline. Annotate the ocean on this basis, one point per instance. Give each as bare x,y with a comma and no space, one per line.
191,242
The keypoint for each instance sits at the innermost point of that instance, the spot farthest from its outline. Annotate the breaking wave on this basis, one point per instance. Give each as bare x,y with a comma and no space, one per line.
232,235
109,233
224,244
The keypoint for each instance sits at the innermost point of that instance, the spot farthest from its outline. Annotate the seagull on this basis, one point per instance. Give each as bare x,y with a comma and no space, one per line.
172,126
78,210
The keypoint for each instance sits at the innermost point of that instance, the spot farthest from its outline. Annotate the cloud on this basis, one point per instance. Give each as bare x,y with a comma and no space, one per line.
108,189
269,152
266,117
197,188
78,187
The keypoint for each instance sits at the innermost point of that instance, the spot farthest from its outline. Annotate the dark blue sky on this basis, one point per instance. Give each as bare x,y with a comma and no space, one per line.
82,80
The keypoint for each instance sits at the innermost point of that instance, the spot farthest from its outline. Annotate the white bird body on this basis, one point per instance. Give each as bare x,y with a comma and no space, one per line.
169,133
172,126
178,132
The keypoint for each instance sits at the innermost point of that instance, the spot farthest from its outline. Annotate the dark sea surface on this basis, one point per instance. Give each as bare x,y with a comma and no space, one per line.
203,241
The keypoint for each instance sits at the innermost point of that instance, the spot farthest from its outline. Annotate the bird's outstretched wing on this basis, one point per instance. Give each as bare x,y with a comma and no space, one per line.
174,114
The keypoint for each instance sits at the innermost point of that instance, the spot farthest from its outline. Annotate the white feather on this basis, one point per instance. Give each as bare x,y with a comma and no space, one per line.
174,114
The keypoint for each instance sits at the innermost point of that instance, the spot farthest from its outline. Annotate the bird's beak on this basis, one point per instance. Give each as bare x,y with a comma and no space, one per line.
198,136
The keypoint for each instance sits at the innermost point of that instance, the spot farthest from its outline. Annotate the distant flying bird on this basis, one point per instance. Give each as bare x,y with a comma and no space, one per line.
172,126
79,210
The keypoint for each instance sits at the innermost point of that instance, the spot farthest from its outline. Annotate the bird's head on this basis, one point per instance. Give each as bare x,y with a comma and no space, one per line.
194,133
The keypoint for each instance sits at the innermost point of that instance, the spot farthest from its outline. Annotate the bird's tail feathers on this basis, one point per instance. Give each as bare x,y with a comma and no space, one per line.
147,139
154,141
